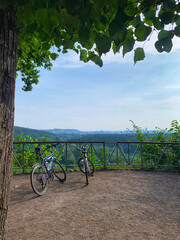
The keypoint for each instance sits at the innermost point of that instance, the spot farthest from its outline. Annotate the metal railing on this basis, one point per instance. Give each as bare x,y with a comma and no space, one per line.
103,154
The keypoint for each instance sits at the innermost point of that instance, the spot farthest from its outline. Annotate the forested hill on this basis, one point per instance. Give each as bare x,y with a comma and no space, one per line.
31,132
42,133
106,138
69,136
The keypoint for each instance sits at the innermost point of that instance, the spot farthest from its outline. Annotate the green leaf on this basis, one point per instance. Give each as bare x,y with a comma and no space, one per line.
83,55
95,58
139,54
123,3
129,42
136,21
58,42
167,17
114,28
165,34
164,45
86,37
103,43
53,17
167,43
142,32
118,22
168,4
115,48
25,15
150,14
158,24
64,50
121,17
42,20
54,56
148,22
122,35
84,34
130,10
46,46
177,31
158,46
41,16
177,19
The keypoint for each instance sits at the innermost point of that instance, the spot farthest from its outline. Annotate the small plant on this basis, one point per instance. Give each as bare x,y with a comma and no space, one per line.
160,154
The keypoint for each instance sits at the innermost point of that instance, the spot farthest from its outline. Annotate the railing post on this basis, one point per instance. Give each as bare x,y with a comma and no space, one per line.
117,154
104,150
91,151
23,160
66,156
128,155
168,154
141,158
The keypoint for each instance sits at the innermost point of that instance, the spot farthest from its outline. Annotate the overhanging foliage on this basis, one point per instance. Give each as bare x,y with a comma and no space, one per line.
91,28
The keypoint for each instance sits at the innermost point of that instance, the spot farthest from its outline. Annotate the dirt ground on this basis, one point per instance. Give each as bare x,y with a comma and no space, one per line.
118,204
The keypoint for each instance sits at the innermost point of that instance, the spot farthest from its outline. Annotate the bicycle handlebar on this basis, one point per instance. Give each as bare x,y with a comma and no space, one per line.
40,150
81,148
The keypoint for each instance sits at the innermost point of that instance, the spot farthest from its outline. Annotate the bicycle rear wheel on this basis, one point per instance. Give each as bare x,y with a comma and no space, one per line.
39,179
82,166
58,171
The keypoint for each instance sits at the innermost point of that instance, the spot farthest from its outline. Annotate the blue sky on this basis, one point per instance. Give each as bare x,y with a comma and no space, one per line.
86,97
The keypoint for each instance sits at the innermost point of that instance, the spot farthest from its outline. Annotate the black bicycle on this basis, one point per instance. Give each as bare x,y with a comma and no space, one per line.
85,165
45,171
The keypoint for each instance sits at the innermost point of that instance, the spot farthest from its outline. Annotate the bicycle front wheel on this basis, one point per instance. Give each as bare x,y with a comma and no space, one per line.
39,179
58,171
82,166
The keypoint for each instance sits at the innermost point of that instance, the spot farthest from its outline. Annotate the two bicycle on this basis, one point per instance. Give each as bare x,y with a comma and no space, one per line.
49,168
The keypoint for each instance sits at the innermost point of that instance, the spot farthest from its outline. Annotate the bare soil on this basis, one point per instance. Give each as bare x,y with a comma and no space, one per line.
118,204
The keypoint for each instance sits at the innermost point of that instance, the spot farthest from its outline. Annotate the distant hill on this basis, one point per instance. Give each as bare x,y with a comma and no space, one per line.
106,138
54,135
64,131
78,132
72,135
34,133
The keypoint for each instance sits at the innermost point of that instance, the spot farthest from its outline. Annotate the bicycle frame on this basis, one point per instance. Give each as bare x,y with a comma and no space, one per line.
85,158
47,159
50,159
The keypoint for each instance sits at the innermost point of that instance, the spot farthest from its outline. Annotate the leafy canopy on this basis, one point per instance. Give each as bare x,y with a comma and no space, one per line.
90,28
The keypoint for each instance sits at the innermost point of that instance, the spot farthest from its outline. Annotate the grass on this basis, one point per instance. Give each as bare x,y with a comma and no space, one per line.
108,167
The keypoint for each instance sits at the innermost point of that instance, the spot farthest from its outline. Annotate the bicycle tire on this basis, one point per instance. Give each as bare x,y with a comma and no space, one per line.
82,167
58,171
39,179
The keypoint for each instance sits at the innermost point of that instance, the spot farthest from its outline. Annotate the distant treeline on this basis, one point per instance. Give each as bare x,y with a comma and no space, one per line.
40,134
107,138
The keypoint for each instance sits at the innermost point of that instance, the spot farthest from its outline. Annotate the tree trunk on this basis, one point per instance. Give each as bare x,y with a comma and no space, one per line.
8,58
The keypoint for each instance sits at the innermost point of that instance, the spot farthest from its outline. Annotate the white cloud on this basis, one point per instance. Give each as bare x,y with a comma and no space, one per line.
132,101
173,87
68,60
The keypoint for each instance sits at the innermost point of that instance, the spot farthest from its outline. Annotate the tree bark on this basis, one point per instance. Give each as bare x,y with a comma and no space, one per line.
8,58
